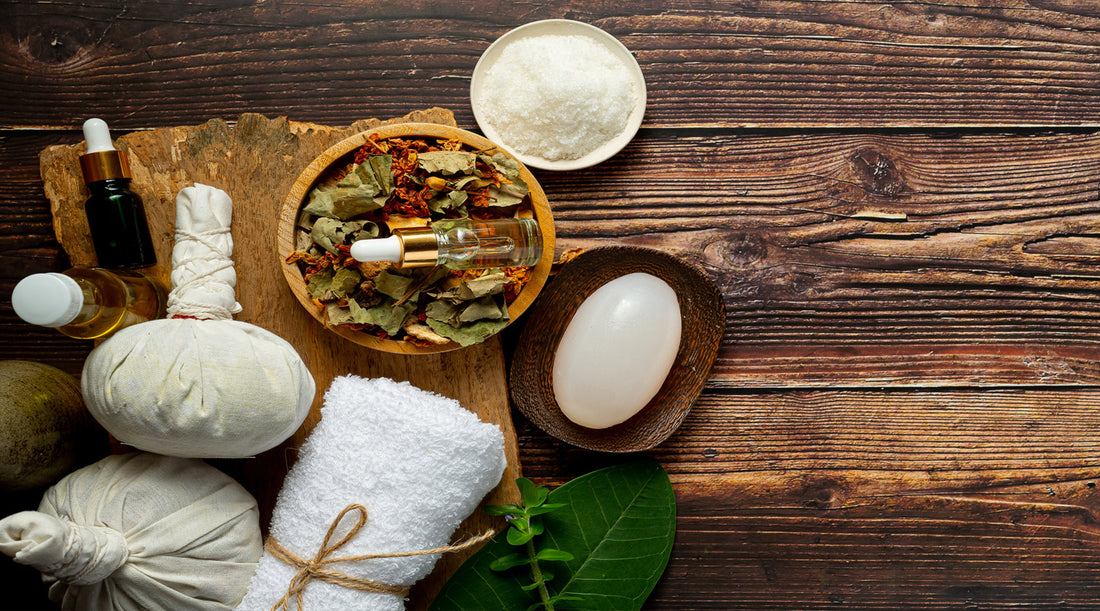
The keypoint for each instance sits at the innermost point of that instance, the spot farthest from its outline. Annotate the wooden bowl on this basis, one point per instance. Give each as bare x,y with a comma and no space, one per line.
342,153
704,322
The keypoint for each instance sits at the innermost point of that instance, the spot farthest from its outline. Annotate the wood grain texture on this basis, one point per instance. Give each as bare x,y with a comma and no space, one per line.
903,413
748,64
945,499
249,160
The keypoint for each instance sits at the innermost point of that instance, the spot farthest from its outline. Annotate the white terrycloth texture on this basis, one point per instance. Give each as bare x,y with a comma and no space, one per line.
418,462
213,388
197,388
139,531
203,279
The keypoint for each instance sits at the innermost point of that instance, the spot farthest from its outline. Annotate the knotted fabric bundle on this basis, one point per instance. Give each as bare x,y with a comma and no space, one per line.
389,470
140,531
200,385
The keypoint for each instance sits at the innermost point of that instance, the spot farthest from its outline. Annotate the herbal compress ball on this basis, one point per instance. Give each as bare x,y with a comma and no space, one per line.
199,384
139,531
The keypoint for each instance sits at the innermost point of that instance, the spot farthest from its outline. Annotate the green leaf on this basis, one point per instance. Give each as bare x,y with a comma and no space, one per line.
503,510
519,537
531,494
544,508
618,523
554,555
506,562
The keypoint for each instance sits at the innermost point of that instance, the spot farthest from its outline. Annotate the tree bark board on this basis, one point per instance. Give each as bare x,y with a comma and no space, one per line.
745,64
255,161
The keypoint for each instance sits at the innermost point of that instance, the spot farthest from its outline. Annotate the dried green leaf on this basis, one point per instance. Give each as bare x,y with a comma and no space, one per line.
320,284
386,315
328,232
502,197
470,334
345,281
392,285
486,308
338,315
503,163
447,201
447,162
442,311
489,283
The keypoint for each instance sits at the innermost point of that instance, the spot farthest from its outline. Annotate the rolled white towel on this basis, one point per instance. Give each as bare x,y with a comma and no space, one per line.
419,463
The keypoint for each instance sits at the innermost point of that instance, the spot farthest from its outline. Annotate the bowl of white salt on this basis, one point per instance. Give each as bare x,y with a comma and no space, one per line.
558,94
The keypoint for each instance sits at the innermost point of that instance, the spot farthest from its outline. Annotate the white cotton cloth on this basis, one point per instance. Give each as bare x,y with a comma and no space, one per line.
420,464
203,278
140,531
197,388
201,387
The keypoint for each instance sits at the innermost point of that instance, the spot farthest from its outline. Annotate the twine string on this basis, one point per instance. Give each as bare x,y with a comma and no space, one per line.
315,568
179,303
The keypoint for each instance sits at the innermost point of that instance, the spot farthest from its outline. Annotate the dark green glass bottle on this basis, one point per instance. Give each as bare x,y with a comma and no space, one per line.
116,216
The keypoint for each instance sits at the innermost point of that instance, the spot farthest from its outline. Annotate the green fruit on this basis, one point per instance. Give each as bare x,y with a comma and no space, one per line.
45,430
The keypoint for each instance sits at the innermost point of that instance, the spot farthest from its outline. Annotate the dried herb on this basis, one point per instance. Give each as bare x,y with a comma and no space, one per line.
400,182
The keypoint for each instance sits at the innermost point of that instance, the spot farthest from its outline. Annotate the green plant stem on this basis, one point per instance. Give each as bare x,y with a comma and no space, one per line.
537,574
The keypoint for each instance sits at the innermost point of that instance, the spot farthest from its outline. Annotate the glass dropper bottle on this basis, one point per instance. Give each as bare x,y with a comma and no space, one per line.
458,244
88,303
115,214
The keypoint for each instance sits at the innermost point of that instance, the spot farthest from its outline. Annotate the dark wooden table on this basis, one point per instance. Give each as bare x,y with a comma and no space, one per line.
900,202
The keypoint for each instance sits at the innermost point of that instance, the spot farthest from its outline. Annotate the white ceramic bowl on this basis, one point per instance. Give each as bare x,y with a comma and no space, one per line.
560,27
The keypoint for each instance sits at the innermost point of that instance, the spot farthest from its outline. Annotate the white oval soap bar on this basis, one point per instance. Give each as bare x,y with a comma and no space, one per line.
617,350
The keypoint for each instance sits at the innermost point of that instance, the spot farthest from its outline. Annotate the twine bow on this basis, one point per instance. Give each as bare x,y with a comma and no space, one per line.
315,568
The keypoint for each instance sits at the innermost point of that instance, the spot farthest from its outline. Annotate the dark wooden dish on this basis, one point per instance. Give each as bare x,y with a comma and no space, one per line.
704,321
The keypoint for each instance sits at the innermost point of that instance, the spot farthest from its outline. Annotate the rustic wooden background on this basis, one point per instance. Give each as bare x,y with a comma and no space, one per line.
900,202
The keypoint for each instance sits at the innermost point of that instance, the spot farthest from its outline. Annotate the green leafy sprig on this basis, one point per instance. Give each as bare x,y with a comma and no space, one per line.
524,524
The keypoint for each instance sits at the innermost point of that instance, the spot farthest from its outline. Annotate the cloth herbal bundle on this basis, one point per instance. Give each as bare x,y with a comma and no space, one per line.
198,383
417,463
140,531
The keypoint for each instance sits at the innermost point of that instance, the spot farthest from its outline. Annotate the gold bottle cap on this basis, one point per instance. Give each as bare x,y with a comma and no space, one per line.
102,165
419,247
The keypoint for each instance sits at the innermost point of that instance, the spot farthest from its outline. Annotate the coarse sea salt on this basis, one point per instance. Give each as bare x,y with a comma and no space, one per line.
557,97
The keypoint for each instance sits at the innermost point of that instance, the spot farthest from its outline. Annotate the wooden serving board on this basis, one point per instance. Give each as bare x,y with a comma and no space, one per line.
256,160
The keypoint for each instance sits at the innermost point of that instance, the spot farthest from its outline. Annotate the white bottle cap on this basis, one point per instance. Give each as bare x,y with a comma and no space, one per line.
49,300
97,136
377,249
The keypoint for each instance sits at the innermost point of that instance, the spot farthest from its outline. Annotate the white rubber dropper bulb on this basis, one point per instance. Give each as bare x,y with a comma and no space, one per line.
377,249
49,300
97,136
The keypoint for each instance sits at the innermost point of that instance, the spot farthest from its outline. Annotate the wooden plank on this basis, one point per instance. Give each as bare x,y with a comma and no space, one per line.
760,64
868,259
875,499
964,261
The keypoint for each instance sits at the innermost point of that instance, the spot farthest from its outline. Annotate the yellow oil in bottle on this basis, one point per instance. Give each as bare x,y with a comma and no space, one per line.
112,300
